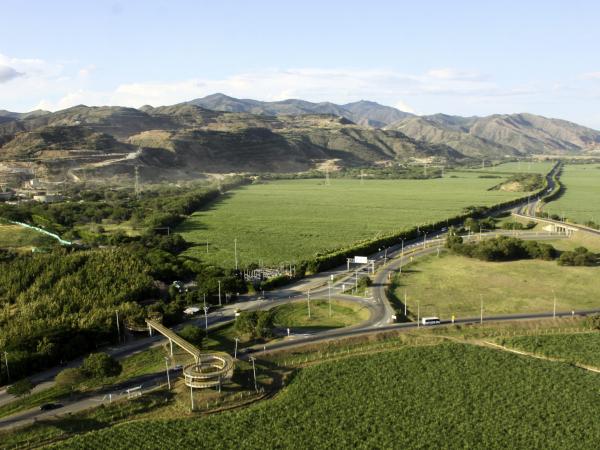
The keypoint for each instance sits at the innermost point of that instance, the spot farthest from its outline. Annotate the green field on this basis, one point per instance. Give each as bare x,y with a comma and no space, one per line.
581,201
16,237
455,285
343,314
287,221
583,348
541,167
445,396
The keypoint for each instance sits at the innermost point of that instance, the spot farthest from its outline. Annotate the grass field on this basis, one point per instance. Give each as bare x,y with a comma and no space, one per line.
541,167
583,348
16,237
444,396
455,285
287,221
580,203
343,314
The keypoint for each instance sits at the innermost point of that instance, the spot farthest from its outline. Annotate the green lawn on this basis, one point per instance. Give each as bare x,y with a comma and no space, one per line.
444,396
581,201
582,348
287,221
455,285
343,314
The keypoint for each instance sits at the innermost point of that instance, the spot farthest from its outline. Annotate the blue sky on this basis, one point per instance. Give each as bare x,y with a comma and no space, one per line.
459,57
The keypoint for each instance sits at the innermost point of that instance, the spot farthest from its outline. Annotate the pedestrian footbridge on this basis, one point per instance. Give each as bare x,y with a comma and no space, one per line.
208,369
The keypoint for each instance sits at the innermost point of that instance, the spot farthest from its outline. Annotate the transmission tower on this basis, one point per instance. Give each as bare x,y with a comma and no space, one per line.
137,181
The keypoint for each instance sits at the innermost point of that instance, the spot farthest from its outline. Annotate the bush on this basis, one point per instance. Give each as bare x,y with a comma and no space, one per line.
70,377
581,256
192,334
502,248
256,324
101,365
20,388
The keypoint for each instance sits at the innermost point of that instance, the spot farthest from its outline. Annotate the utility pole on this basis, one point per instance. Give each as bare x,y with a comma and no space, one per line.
481,311
385,257
424,239
554,309
329,286
235,251
418,313
118,326
308,302
405,301
168,377
220,304
254,371
204,299
327,176
362,176
192,396
137,181
6,362
236,346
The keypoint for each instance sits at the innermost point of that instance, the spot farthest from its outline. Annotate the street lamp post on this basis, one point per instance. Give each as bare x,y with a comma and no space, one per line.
329,286
206,319
236,347
168,376
254,371
308,302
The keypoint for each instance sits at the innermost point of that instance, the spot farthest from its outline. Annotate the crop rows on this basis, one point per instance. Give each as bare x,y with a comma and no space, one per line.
446,396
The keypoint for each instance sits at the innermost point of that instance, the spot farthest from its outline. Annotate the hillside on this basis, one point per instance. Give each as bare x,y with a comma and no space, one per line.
190,139
363,112
500,135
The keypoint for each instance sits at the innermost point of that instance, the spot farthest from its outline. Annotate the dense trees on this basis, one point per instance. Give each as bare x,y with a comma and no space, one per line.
58,305
101,365
256,324
502,248
581,256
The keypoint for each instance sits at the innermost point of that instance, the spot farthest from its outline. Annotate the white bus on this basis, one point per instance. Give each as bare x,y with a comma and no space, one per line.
430,320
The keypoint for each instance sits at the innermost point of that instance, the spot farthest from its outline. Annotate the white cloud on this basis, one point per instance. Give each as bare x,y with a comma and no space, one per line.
449,73
591,76
402,106
336,85
7,73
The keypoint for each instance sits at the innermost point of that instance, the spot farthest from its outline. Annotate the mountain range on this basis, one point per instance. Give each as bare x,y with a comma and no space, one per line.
221,134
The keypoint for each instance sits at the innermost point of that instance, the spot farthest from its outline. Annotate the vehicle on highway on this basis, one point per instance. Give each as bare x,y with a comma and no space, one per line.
50,406
430,321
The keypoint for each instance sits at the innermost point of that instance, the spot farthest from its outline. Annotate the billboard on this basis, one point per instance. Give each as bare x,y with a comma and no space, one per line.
361,260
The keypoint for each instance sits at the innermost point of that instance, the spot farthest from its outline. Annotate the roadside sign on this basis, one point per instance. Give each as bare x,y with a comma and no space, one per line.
361,260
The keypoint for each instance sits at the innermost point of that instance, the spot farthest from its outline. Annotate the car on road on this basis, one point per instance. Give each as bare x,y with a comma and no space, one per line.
430,321
50,406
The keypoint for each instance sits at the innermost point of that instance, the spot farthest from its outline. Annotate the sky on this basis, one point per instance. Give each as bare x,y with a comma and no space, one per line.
456,57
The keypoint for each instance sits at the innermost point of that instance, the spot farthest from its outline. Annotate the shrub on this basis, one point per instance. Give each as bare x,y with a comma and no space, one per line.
101,365
192,334
581,256
70,377
20,388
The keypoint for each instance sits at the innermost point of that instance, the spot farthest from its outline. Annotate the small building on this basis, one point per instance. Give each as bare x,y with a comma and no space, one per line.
48,198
